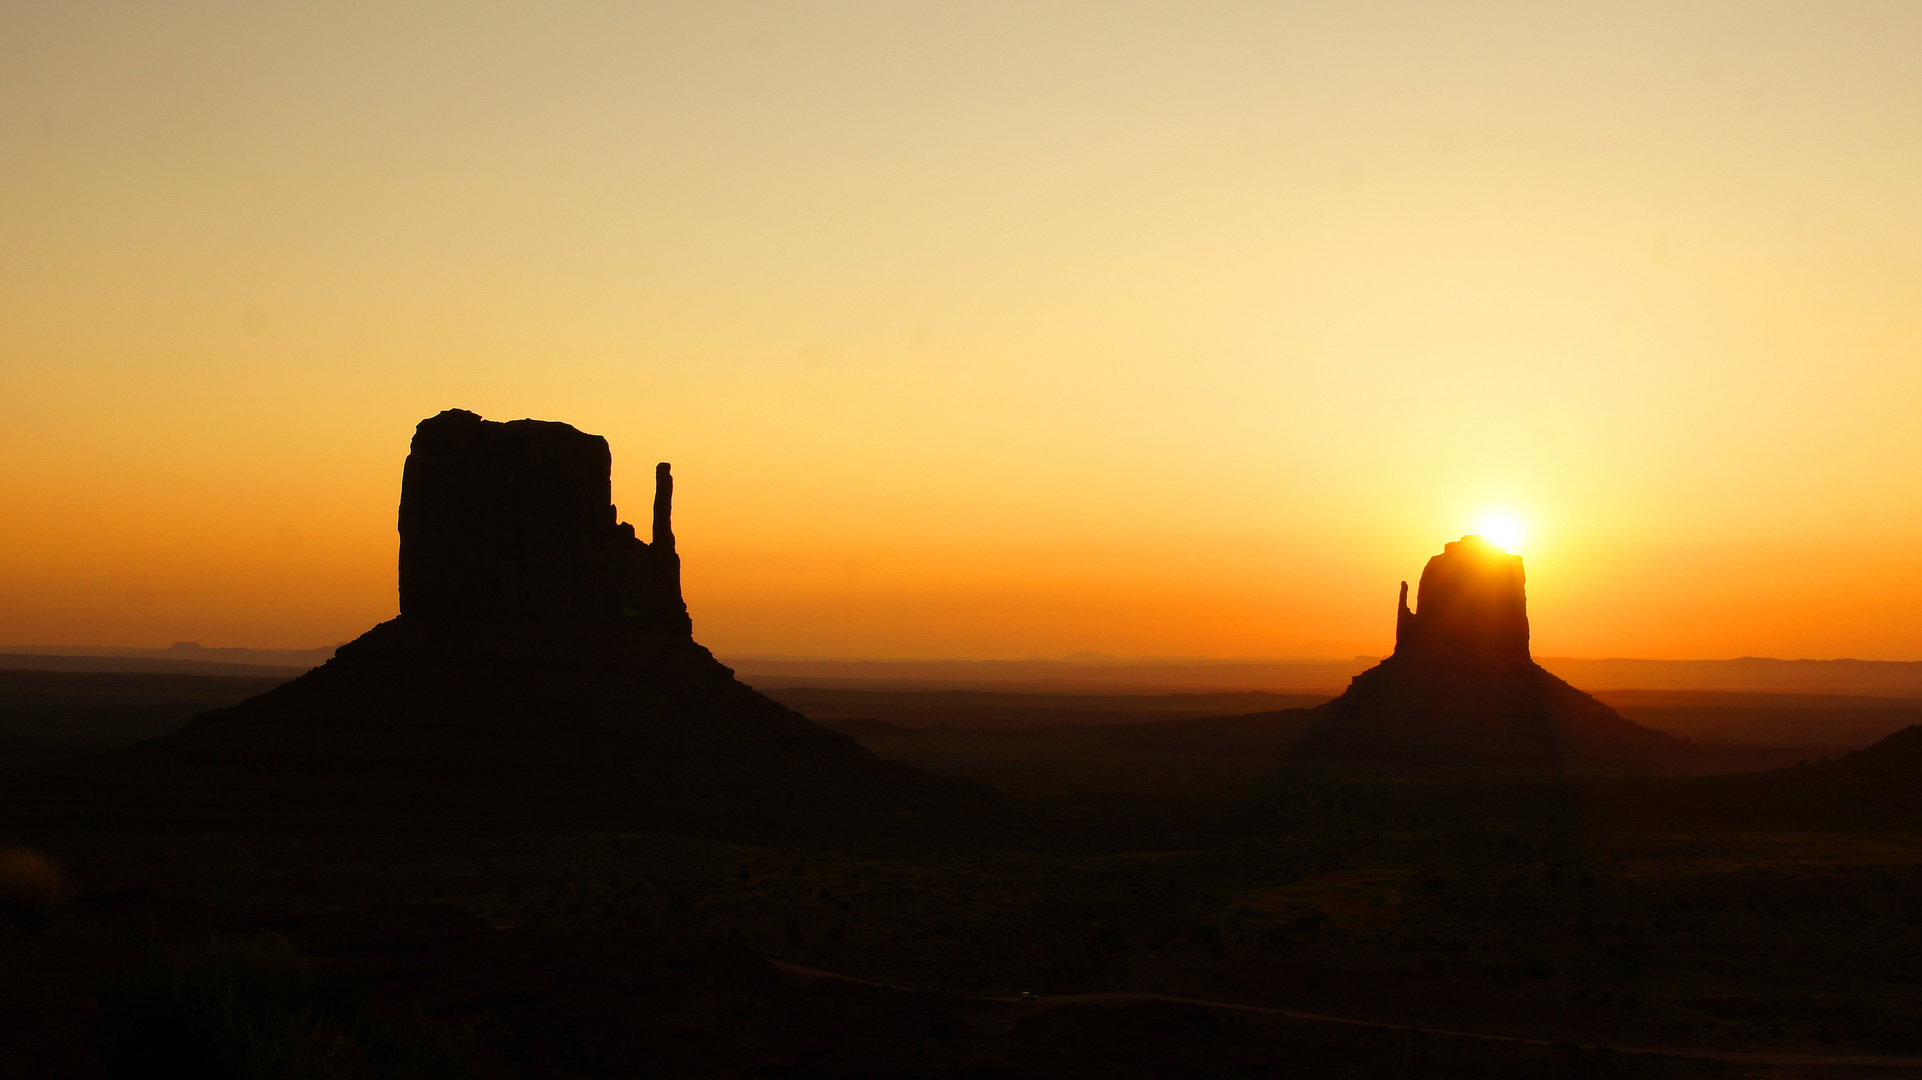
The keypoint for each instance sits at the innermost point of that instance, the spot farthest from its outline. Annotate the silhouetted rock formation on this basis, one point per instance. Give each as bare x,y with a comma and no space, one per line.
1462,690
1473,608
514,522
543,665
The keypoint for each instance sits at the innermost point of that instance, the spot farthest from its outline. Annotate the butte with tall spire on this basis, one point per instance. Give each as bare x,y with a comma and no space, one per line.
543,666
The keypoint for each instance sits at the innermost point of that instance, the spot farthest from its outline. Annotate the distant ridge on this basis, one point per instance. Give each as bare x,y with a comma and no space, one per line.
133,665
1067,676
1747,674
1755,674
1871,678
191,652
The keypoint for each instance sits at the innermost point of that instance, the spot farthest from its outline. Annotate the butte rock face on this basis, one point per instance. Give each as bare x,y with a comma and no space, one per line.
542,667
514,524
1461,689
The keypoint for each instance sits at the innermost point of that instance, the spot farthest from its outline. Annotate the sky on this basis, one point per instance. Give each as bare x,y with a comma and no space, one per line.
980,330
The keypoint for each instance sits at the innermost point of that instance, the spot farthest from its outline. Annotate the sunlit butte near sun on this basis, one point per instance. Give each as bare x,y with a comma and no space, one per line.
980,330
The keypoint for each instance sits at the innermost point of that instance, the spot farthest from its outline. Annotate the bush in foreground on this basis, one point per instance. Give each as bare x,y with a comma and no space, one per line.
248,1007
30,887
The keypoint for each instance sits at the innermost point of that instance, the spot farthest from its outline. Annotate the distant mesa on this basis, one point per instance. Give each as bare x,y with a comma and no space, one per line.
1462,690
543,665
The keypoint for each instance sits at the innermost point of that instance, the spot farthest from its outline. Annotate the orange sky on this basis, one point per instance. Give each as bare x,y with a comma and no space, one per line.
980,330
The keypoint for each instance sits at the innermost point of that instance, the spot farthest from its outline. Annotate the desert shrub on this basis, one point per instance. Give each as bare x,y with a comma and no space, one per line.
231,1006
30,887
248,1007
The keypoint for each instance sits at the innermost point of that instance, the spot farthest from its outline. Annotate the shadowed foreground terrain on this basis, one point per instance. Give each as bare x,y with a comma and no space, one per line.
1193,870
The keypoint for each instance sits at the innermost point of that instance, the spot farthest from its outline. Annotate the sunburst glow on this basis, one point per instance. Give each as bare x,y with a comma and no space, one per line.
1503,529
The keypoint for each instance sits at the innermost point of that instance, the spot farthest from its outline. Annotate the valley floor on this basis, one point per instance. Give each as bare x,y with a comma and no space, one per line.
1119,876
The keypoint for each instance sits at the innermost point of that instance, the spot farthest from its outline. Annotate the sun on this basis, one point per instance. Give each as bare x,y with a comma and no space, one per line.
1502,529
